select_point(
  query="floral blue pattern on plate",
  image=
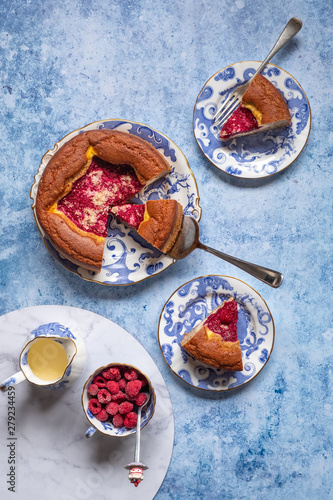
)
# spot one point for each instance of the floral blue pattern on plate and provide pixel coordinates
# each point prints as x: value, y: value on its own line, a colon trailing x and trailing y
x: 258, y: 155
x: 127, y: 257
x: 193, y: 302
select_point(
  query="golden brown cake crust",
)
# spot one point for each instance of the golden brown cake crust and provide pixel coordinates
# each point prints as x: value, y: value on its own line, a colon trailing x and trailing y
x: 68, y: 164
x: 210, y: 348
x: 121, y: 148
x: 81, y: 248
x: 266, y: 98
x: 163, y: 225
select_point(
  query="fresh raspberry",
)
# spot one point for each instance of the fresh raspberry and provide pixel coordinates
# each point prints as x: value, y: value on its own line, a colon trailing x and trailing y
x: 106, y: 374
x: 102, y: 415
x: 115, y: 374
x: 118, y: 421
x: 122, y: 383
x: 131, y: 374
x: 99, y: 381
x: 94, y: 406
x: 129, y: 398
x: 119, y: 397
x: 130, y: 419
x: 112, y: 386
x: 125, y: 407
x: 143, y: 380
x: 133, y: 388
x: 104, y: 396
x: 140, y: 399
x: 93, y: 389
x: 112, y: 408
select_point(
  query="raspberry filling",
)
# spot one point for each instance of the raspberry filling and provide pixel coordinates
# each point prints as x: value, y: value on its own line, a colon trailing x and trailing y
x: 242, y: 120
x: 103, y: 185
x: 132, y: 215
x: 224, y: 321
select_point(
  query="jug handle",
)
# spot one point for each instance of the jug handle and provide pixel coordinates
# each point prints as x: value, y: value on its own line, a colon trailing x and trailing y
x: 13, y: 380
x: 89, y: 432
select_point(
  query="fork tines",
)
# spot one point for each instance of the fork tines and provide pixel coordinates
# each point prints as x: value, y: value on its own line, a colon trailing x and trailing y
x: 226, y: 110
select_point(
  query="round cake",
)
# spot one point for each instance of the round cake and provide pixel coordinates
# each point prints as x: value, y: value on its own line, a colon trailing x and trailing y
x: 88, y: 175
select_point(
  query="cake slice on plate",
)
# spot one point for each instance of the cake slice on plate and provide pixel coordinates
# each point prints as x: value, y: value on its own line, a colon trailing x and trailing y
x: 262, y: 108
x: 158, y: 221
x: 214, y: 341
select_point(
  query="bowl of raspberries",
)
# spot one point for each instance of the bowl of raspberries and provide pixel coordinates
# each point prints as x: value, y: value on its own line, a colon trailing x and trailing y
x: 111, y: 397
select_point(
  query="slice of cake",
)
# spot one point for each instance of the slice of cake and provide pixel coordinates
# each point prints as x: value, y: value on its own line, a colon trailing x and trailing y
x: 262, y: 108
x: 214, y: 341
x: 158, y: 221
x: 131, y: 215
x: 88, y: 174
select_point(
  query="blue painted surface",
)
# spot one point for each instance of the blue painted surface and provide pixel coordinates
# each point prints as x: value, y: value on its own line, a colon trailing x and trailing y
x: 65, y: 64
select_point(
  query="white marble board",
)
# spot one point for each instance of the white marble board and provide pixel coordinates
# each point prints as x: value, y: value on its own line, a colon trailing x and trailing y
x: 53, y: 458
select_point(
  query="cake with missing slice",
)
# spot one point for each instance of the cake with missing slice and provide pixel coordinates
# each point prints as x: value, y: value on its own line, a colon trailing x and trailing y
x: 214, y: 341
x: 90, y: 173
x: 262, y: 108
x: 157, y: 221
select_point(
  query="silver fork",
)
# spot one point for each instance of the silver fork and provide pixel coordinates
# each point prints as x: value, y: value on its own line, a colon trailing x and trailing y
x: 232, y: 102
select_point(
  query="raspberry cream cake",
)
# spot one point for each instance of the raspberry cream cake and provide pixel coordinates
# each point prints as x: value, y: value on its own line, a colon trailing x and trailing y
x: 88, y: 175
x: 262, y: 108
x: 214, y: 341
x: 158, y: 221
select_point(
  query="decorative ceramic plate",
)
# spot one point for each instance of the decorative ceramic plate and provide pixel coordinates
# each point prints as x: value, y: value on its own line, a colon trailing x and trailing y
x: 127, y: 258
x: 258, y: 155
x: 193, y: 302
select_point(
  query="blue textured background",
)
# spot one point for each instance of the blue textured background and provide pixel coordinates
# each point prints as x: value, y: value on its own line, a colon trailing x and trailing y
x: 67, y: 63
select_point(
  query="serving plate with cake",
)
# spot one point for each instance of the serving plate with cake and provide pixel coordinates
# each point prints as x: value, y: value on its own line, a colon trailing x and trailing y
x: 216, y: 333
x: 109, y: 198
x: 265, y: 134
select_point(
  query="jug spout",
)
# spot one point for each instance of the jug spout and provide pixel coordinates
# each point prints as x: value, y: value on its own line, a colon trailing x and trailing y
x: 69, y: 347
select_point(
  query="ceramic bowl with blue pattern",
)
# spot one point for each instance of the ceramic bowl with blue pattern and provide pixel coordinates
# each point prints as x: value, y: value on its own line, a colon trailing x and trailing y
x: 107, y: 427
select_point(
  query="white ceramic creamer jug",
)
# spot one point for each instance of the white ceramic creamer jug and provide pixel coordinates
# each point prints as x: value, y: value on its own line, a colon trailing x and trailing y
x: 52, y: 357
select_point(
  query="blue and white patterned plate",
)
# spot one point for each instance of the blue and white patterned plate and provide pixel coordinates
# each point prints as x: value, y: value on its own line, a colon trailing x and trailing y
x: 127, y: 258
x: 262, y: 154
x: 190, y: 304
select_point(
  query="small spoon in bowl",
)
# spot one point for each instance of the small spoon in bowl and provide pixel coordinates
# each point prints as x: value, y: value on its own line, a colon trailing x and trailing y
x: 136, y: 468
x: 138, y: 430
x: 188, y: 240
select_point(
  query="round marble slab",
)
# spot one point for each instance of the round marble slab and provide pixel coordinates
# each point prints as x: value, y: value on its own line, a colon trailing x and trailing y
x: 51, y: 453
